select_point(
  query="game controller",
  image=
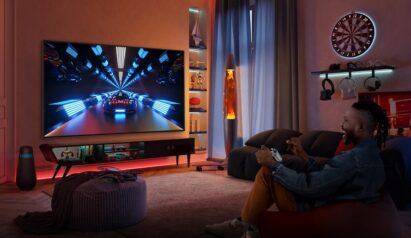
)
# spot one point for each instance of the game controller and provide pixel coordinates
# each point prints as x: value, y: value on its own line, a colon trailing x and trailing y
x: 276, y: 155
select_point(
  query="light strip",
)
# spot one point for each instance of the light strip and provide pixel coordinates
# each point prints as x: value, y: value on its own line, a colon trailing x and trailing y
x: 89, y: 65
x: 142, y: 53
x: 121, y: 55
x: 332, y: 75
x: 195, y: 50
x: 163, y: 57
x: 161, y: 107
x: 193, y: 10
x: 120, y: 110
x: 74, y: 107
x: 71, y: 51
x: 120, y: 76
x: 141, y: 98
x: 357, y: 73
x: 97, y: 50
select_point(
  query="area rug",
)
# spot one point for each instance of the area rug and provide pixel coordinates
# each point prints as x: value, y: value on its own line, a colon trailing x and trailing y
x: 179, y: 205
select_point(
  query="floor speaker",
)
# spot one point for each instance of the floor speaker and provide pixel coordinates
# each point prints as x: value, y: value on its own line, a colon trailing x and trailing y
x: 26, y: 172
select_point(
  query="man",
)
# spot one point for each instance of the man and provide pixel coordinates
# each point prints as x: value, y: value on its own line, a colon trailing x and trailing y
x: 355, y: 174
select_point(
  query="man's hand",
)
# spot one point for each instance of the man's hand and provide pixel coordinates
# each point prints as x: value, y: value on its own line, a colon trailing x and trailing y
x: 264, y: 157
x: 297, y: 148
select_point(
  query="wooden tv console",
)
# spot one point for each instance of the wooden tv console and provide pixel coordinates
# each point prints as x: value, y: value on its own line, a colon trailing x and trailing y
x: 113, y: 152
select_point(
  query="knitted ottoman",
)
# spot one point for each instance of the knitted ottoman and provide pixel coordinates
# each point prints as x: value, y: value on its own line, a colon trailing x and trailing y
x: 103, y: 204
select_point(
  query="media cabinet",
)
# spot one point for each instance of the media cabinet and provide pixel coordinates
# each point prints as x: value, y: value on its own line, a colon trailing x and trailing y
x: 69, y: 155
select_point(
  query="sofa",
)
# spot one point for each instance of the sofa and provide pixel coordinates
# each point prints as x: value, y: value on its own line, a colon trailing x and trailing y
x: 319, y: 144
x: 341, y: 219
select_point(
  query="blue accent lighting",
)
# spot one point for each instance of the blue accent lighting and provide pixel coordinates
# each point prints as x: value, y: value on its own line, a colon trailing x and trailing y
x: 26, y: 156
x: 141, y: 98
x: 97, y: 50
x: 142, y: 53
x: 163, y: 57
x: 98, y: 97
x: 89, y: 65
x: 105, y: 63
x: 97, y: 71
x: 120, y: 110
x: 161, y: 107
x: 74, y: 108
x: 135, y: 65
x: 71, y: 51
x: 149, y: 68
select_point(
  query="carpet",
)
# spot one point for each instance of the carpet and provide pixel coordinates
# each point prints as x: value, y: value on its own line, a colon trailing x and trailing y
x: 179, y: 205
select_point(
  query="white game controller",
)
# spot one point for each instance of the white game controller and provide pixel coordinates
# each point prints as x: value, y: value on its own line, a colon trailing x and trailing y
x: 276, y: 155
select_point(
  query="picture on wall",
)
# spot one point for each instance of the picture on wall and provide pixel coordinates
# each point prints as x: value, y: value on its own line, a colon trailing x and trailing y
x: 91, y: 89
x: 397, y: 105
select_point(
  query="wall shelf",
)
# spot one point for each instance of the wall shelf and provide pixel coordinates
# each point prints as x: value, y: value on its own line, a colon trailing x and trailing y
x: 198, y: 110
x: 200, y: 47
x: 197, y: 90
x: 197, y: 68
x: 365, y: 71
x: 198, y: 132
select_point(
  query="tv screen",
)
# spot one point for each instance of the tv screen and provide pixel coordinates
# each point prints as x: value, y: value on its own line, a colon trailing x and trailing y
x: 92, y: 89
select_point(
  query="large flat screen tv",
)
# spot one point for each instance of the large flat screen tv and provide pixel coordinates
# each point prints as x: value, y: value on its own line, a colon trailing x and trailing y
x: 92, y: 89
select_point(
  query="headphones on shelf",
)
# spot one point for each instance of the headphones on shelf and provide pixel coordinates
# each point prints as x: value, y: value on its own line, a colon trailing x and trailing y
x: 348, y: 88
x: 326, y: 94
x: 372, y: 86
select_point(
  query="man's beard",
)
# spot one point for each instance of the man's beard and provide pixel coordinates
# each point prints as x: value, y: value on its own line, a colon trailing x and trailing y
x: 348, y: 138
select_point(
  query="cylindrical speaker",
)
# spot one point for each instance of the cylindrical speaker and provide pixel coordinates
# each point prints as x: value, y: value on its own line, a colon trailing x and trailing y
x: 26, y: 172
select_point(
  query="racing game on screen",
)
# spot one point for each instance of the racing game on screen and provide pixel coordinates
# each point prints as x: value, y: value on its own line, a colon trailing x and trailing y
x: 92, y: 89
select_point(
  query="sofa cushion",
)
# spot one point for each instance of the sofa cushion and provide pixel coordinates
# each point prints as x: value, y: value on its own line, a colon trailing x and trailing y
x: 278, y: 139
x: 321, y: 143
x: 259, y: 139
x: 239, y: 158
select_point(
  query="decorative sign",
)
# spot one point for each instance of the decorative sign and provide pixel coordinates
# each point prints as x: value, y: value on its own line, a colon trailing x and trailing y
x: 353, y: 35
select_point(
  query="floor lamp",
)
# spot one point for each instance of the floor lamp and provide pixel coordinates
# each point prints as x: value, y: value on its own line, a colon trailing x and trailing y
x: 230, y: 108
x: 230, y: 105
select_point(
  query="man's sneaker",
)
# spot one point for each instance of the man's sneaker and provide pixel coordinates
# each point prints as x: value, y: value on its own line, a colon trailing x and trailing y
x: 251, y: 234
x: 228, y: 229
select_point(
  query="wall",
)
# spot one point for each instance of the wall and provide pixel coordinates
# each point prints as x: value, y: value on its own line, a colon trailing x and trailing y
x: 316, y: 20
x: 149, y: 23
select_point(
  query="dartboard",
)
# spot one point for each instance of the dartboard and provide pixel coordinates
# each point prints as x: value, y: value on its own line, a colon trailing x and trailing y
x: 353, y: 35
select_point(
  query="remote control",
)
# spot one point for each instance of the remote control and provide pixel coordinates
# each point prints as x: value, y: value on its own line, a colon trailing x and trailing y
x: 276, y: 155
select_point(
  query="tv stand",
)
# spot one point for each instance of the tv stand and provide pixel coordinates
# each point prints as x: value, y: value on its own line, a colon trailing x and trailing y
x: 64, y: 155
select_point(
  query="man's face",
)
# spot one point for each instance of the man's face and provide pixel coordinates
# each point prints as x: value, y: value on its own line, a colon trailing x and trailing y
x: 350, y: 126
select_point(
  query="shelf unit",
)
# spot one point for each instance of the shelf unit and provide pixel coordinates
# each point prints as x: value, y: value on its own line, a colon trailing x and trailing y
x: 365, y: 71
x: 198, y: 77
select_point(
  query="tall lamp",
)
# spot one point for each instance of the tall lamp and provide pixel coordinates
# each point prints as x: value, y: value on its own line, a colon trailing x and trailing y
x: 230, y: 104
x: 230, y: 109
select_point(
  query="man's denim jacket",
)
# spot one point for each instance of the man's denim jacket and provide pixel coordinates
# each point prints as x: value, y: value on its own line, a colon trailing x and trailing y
x: 355, y: 174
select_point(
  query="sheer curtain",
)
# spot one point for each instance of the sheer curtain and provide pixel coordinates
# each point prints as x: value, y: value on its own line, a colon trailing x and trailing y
x: 265, y: 74
x: 231, y: 35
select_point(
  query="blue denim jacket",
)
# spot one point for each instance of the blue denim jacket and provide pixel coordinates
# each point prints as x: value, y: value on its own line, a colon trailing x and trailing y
x: 355, y: 174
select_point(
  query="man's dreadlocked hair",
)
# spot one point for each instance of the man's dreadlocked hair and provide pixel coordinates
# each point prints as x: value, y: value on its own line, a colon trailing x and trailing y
x: 377, y: 118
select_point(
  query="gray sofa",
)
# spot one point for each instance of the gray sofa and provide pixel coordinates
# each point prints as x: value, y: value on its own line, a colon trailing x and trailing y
x: 242, y: 163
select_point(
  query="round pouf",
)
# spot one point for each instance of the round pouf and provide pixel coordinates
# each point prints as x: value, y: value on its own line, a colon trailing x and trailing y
x: 102, y: 204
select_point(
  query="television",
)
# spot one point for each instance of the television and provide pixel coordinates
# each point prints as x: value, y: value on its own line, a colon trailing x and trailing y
x: 92, y: 89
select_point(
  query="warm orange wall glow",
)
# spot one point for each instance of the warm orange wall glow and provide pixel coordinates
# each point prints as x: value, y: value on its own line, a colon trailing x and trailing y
x: 152, y: 24
x: 230, y: 95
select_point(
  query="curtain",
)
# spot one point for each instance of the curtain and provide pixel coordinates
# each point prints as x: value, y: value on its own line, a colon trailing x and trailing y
x: 286, y: 65
x: 231, y: 35
x: 265, y: 76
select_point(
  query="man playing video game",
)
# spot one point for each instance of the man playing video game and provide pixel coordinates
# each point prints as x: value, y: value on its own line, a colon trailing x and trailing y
x: 355, y: 174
